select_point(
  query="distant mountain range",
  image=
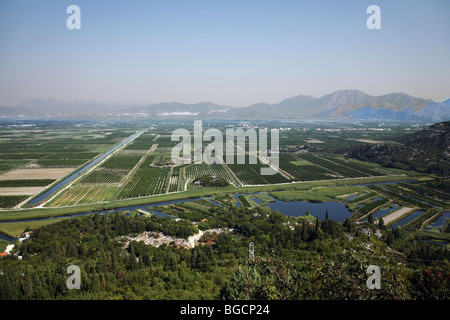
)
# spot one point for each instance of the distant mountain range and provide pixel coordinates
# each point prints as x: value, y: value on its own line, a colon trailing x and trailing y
x: 344, y: 104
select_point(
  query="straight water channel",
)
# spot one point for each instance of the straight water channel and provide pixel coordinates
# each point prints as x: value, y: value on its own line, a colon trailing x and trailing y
x: 64, y: 182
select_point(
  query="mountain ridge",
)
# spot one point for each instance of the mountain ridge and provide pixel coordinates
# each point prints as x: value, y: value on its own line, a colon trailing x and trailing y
x: 341, y: 104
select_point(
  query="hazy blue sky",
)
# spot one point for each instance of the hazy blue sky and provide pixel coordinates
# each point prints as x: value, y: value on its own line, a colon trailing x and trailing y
x: 223, y: 51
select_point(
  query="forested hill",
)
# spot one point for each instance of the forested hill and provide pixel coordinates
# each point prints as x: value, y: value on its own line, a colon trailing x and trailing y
x: 425, y: 151
x: 294, y: 259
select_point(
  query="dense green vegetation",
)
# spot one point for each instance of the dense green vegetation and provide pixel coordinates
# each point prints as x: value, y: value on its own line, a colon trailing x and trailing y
x: 11, y: 201
x: 294, y: 260
x: 211, y: 181
x: 423, y: 151
x: 26, y: 183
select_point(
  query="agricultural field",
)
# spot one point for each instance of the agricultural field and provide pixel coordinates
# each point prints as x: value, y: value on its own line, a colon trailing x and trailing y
x: 34, y: 174
x: 81, y: 194
x: 36, y: 155
x: 144, y: 142
x: 195, y: 171
x: 304, y: 170
x: 247, y: 175
x: 145, y: 182
x: 410, y: 210
x: 176, y: 179
x: 339, y: 169
x: 143, y: 168
x: 25, y: 183
x: 11, y: 201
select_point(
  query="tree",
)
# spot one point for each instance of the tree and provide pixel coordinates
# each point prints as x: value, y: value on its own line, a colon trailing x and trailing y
x: 304, y: 231
x: 381, y: 223
x: 265, y: 279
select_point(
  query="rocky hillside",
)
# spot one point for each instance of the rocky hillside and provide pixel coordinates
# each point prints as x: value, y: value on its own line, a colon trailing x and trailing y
x: 425, y: 151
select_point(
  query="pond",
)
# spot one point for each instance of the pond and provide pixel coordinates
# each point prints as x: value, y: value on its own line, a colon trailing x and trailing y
x: 336, y: 210
x: 440, y: 222
x: 355, y: 196
x: 382, y: 212
x: 407, y: 219
x: 3, y: 237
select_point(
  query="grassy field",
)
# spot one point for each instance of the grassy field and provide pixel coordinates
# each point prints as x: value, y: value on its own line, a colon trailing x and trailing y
x: 16, y: 229
x: 318, y: 194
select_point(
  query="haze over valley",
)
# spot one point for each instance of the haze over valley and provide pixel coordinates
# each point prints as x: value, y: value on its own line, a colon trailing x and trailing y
x: 339, y: 105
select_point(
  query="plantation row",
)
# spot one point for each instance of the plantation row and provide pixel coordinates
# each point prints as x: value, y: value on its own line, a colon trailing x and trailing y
x: 143, y: 142
x: 11, y: 201
x: 304, y: 172
x: 424, y: 190
x: 369, y: 207
x: 199, y: 170
x: 80, y: 194
x: 26, y: 183
x: 21, y: 156
x: 405, y: 189
x: 389, y: 191
x: 106, y: 177
x: 246, y: 174
x: 353, y: 165
x: 176, y: 179
x: 122, y: 161
x: 195, y: 206
x: 419, y: 221
x: 165, y: 142
x: 148, y: 161
x: 343, y: 170
x: 145, y: 182
x: 275, y: 178
x: 205, y: 203
x: 55, y: 163
x: 244, y: 202
x: 72, y: 155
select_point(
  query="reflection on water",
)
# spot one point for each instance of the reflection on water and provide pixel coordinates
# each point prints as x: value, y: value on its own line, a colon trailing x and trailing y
x: 407, y: 219
x: 3, y: 237
x: 336, y: 210
x: 382, y: 212
x: 440, y: 222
